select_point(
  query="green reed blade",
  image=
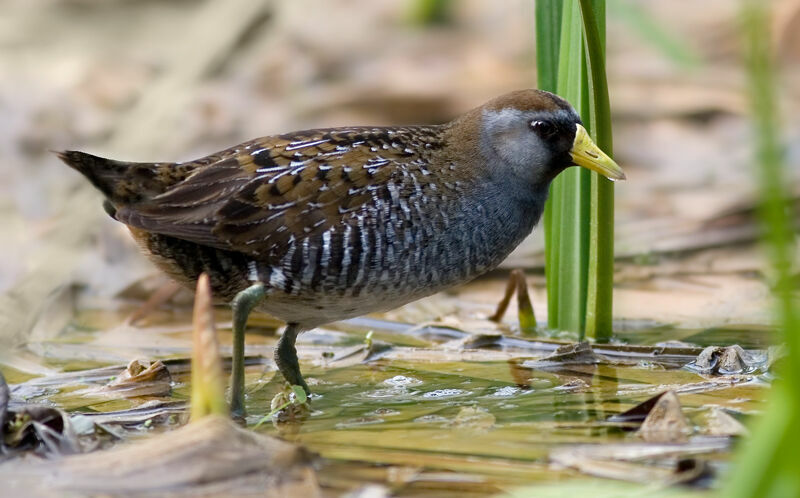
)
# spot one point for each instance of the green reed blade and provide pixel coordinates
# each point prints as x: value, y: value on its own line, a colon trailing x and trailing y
x: 571, y: 192
x: 579, y: 216
x: 599, y: 300
x: 548, y: 40
x: 768, y: 463
x: 654, y: 33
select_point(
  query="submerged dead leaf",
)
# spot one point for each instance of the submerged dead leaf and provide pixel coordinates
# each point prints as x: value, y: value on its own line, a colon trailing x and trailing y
x: 210, y: 456
x: 156, y: 412
x: 360, y: 353
x: 626, y: 462
x: 142, y: 378
x: 727, y: 360
x: 661, y: 418
x: 569, y: 354
x: 719, y: 423
x: 612, y: 469
x: 638, y: 413
x: 475, y: 341
x: 665, y: 423
x: 41, y: 429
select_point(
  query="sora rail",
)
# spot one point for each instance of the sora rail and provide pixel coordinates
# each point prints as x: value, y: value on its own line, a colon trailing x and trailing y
x: 321, y: 225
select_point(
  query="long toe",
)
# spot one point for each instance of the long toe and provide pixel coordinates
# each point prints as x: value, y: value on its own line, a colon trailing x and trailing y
x: 286, y: 358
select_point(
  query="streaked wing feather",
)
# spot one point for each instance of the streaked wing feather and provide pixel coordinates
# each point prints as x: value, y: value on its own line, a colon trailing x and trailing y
x: 254, y: 198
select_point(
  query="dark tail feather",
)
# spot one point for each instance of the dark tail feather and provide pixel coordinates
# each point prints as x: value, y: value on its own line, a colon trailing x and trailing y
x: 120, y: 181
x: 104, y: 174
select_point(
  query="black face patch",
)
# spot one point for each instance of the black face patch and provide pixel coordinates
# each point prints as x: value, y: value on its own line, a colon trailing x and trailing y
x: 556, y: 129
x: 558, y: 137
x: 562, y: 141
x: 544, y: 128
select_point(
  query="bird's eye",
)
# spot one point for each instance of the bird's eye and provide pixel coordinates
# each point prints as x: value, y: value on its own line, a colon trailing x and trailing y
x: 545, y: 129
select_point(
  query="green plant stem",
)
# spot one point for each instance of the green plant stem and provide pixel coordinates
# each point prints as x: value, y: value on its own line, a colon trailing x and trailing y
x: 298, y: 399
x: 652, y: 32
x: 600, y: 278
x: 571, y: 190
x: 773, y: 210
x: 271, y: 414
x: 548, y: 40
x: 579, y: 218
x: 767, y: 465
x: 432, y: 12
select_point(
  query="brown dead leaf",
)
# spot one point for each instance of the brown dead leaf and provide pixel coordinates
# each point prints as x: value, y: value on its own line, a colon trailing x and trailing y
x: 475, y: 341
x: 142, y: 378
x: 45, y: 430
x: 719, y: 423
x: 728, y: 360
x: 665, y: 423
x: 41, y: 429
x: 210, y: 456
x: 569, y: 354
x: 623, y: 461
x: 352, y: 355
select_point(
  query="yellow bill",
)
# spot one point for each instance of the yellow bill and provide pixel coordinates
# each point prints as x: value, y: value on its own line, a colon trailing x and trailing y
x: 585, y: 153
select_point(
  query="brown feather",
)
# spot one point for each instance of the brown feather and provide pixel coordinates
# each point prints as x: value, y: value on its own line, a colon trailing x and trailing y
x: 305, y: 182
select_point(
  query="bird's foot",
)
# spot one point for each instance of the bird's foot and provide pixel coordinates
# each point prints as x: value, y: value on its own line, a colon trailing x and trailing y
x: 286, y: 358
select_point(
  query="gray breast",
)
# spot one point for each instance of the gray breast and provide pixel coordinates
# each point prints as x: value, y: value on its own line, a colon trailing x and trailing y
x: 396, y: 250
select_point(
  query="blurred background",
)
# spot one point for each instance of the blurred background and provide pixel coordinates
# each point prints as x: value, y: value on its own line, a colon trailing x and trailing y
x: 151, y: 80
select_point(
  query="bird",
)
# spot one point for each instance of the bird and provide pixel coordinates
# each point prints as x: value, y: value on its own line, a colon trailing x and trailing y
x: 321, y: 225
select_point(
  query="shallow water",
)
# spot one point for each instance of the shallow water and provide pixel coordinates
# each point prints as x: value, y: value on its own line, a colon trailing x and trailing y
x: 427, y: 415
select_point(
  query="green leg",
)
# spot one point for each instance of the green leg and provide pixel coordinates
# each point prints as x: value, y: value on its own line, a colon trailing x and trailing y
x: 286, y: 357
x: 242, y: 304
